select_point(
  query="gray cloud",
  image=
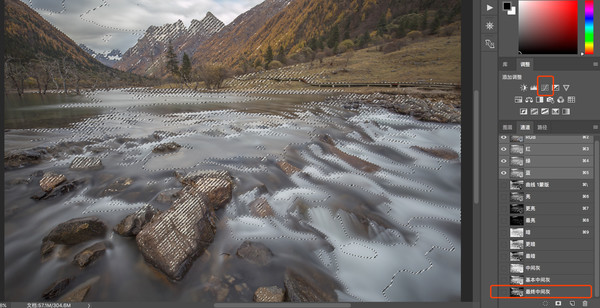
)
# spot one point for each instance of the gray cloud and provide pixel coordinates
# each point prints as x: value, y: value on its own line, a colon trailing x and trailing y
x: 107, y: 24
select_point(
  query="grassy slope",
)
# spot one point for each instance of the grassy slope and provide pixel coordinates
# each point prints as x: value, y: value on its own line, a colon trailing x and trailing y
x: 433, y: 59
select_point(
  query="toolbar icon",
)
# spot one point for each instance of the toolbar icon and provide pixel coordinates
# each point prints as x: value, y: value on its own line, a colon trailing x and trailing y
x: 545, y: 85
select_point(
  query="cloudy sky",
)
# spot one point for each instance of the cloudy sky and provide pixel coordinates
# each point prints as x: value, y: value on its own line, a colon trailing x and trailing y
x: 106, y: 24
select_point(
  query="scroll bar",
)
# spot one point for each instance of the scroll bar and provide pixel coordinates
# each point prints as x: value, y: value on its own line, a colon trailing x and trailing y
x: 597, y: 218
x: 476, y: 147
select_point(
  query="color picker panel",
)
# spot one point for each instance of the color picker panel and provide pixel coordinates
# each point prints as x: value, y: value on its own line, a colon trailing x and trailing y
x: 548, y: 27
x: 589, y: 27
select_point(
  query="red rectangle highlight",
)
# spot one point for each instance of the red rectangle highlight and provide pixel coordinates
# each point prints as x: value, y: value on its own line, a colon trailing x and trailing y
x: 541, y: 286
x: 548, y: 27
x: 551, y: 86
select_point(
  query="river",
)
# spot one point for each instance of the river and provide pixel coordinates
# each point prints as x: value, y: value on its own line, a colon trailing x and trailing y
x: 389, y: 235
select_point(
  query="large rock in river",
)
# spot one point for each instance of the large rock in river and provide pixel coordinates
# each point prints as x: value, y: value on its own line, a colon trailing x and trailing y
x: 86, y: 163
x: 62, y: 189
x: 166, y: 148
x: 261, y: 208
x: 288, y: 168
x: 173, y: 240
x: 442, y: 153
x: 89, y: 254
x: 77, y: 231
x: 269, y: 295
x: 133, y: 223
x: 216, y: 186
x: 56, y: 288
x: 25, y: 158
x: 255, y: 252
x: 309, y: 285
x: 51, y: 180
x: 352, y: 160
x: 78, y: 293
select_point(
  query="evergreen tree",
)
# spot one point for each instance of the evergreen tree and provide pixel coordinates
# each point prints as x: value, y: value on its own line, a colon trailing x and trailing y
x: 268, y: 56
x: 281, y: 55
x: 400, y: 31
x: 364, y: 40
x: 172, y: 63
x: 312, y: 43
x: 435, y: 25
x: 244, y: 63
x: 334, y: 37
x: 186, y: 68
x: 320, y: 43
x: 381, y: 26
x: 424, y: 20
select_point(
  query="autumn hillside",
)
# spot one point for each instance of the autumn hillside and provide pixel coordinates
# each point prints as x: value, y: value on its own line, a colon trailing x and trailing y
x: 310, y: 26
x: 29, y: 36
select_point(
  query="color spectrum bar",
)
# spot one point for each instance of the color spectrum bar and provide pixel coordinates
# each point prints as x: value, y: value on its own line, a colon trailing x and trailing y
x: 548, y: 27
x: 589, y: 27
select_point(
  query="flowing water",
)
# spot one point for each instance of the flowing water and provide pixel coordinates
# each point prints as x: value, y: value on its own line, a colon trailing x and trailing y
x: 390, y: 235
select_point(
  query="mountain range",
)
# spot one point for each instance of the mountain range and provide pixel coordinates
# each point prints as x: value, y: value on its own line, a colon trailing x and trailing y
x: 287, y: 26
x: 108, y: 58
x: 147, y: 56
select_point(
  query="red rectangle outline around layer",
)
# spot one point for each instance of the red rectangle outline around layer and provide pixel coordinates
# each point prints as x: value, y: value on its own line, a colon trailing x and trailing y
x: 539, y: 285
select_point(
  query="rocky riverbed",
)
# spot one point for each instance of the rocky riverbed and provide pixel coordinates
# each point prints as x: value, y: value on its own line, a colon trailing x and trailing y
x: 232, y: 198
x: 440, y: 108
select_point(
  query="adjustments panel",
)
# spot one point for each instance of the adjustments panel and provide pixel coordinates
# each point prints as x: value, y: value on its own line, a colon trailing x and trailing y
x: 546, y: 73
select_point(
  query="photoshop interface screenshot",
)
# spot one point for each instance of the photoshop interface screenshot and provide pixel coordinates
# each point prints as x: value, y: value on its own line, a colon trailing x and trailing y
x: 538, y: 133
x: 279, y: 185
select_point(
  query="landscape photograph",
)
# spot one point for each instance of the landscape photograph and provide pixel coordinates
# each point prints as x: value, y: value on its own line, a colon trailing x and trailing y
x: 232, y: 150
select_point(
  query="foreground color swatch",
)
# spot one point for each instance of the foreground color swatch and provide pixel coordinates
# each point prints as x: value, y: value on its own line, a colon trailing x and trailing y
x: 548, y: 27
x: 589, y: 27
